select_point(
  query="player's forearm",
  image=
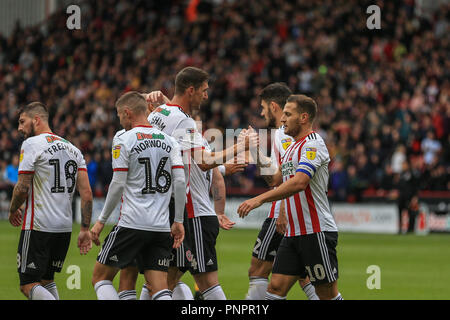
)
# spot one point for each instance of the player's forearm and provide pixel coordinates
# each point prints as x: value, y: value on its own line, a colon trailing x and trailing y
x: 20, y: 194
x: 285, y: 190
x: 211, y: 160
x: 218, y: 192
x: 86, y: 212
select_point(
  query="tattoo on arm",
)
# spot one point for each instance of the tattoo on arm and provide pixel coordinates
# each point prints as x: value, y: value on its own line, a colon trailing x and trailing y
x: 20, y: 192
x: 86, y: 212
x: 268, y: 179
x: 216, y: 193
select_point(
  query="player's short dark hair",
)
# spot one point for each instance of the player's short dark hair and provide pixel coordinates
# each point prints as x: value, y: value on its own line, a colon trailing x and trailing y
x: 304, y: 104
x: 35, y: 108
x: 189, y: 77
x: 133, y: 100
x: 277, y: 92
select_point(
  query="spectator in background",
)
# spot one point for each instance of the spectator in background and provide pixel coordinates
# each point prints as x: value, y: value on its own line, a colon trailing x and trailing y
x: 408, y: 188
x: 4, y: 185
x: 11, y: 175
x: 431, y: 148
x: 105, y: 171
x: 12, y: 170
x: 339, y: 181
x: 377, y: 89
x: 92, y: 169
x: 398, y: 159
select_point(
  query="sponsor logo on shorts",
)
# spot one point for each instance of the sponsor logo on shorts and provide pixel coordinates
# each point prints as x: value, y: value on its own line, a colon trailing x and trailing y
x: 114, y: 258
x: 163, y: 262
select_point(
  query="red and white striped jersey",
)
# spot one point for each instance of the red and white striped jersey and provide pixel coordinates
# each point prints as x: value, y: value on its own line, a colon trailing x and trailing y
x: 280, y: 143
x: 308, y: 211
x: 55, y: 163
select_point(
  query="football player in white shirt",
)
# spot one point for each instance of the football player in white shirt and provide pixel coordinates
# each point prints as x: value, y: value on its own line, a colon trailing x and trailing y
x: 273, y: 98
x: 174, y: 118
x: 309, y: 245
x: 49, y: 171
x: 147, y: 166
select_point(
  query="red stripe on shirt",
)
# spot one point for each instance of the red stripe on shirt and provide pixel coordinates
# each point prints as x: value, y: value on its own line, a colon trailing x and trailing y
x: 301, y: 219
x: 312, y: 210
x: 272, y: 209
x: 120, y: 169
x: 291, y: 221
x: 82, y: 169
x: 287, y: 155
x: 177, y: 167
x: 26, y: 172
x: 300, y: 151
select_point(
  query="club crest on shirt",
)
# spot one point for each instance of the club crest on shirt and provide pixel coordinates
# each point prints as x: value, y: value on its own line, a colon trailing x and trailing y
x: 116, y: 152
x: 286, y: 143
x: 311, y: 153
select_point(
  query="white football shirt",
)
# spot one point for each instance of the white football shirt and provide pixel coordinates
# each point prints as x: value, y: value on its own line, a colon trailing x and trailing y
x: 280, y: 143
x: 308, y: 211
x: 55, y: 163
x: 149, y: 156
x: 172, y: 120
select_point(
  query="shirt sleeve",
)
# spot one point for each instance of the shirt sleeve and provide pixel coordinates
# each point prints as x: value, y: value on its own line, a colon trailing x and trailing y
x: 187, y: 135
x: 311, y: 157
x: 82, y: 164
x: 27, y: 158
x: 120, y: 156
x: 175, y: 156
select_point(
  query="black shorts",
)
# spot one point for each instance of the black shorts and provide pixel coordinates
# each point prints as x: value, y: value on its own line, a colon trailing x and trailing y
x: 205, y: 230
x: 312, y: 255
x: 182, y: 257
x: 40, y: 255
x: 268, y: 241
x: 150, y: 249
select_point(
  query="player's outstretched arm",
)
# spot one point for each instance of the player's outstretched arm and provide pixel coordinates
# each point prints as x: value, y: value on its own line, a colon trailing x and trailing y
x: 209, y: 160
x: 20, y: 194
x: 292, y: 186
x: 218, y: 192
x: 84, y: 188
x: 269, y: 169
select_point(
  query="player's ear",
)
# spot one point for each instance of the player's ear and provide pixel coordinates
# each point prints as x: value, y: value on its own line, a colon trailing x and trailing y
x: 274, y: 107
x: 304, y: 117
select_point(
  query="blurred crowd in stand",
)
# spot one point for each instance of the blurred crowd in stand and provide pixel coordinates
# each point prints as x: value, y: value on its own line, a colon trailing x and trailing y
x: 383, y: 95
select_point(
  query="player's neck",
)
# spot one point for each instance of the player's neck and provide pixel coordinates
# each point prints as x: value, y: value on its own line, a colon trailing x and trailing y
x: 278, y: 122
x: 42, y: 129
x: 140, y: 122
x: 303, y: 133
x: 278, y: 114
x: 183, y: 102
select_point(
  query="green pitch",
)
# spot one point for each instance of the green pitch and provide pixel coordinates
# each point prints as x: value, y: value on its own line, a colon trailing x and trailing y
x: 411, y: 267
